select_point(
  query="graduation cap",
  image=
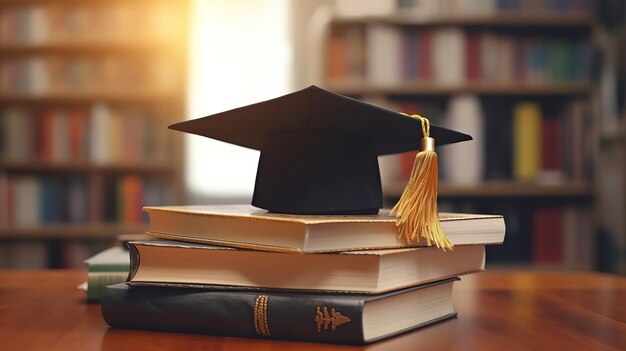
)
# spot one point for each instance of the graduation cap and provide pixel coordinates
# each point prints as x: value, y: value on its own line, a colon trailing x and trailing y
x: 319, y: 155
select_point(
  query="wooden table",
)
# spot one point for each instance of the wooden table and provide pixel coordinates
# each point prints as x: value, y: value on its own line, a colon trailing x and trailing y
x: 43, y: 310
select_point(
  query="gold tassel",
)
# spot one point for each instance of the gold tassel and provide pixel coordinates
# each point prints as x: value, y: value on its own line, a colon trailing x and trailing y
x: 418, y: 216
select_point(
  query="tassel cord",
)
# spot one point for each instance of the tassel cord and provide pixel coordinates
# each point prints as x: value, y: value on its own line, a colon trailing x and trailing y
x: 417, y: 212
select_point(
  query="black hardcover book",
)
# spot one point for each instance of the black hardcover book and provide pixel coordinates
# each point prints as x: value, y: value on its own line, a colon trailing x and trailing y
x: 313, y: 317
x: 498, y: 138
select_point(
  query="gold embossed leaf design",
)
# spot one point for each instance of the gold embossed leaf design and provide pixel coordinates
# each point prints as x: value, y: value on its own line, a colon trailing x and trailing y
x: 334, y: 319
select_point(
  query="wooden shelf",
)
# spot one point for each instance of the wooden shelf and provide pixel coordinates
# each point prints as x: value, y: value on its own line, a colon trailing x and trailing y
x: 82, y: 48
x: 503, y: 190
x: 72, y: 231
x: 11, y: 3
x: 48, y: 167
x: 411, y: 88
x: 499, y: 20
x: 78, y: 97
x: 536, y: 267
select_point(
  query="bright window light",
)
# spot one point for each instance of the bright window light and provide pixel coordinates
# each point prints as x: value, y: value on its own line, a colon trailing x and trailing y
x: 240, y: 54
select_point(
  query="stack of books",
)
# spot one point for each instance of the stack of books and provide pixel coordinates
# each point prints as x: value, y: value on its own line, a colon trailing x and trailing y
x: 239, y: 271
x: 108, y: 267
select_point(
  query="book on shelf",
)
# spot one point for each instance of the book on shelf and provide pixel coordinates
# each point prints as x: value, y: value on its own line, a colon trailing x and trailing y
x: 100, y: 134
x: 247, y: 227
x: 347, y: 48
x: 557, y: 237
x: 579, y: 239
x: 527, y: 141
x: 383, y: 45
x: 163, y: 262
x: 22, y: 254
x: 355, y: 8
x: 450, y: 56
x: 299, y: 316
x: 498, y: 143
x: 577, y: 148
x: 5, y: 208
x: 24, y: 192
x: 18, y: 137
x: 548, y: 236
x: 550, y: 148
x: 552, y: 171
x: 106, y: 268
x: 79, y: 75
x: 28, y: 201
x: 464, y: 164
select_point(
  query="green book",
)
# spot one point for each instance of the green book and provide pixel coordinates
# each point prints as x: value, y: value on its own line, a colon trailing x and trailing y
x: 106, y: 268
x: 559, y: 57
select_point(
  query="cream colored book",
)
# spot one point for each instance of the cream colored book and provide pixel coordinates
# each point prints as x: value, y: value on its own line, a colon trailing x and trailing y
x: 165, y: 262
x: 244, y: 226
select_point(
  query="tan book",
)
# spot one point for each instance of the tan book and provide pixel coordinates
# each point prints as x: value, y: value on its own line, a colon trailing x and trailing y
x: 244, y: 226
x: 165, y: 262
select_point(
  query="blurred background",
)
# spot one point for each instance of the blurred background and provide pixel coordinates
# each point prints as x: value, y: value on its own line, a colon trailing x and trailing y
x: 87, y: 90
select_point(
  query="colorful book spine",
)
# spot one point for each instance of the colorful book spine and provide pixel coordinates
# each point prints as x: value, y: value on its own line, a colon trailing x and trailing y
x: 473, y: 57
x: 130, y: 199
x: 498, y: 141
x: 526, y: 141
x: 410, y: 55
x: 465, y: 164
x: 551, y: 153
x: 337, y: 56
x: 30, y: 201
x: 383, y: 48
x: 548, y: 236
x: 448, y: 51
x: 408, y: 158
x: 101, y: 135
x: 447, y: 56
x: 426, y: 62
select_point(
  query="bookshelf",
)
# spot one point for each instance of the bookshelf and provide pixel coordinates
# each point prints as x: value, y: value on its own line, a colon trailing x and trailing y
x: 440, y: 58
x: 87, y: 90
x: 73, y: 231
x: 85, y: 167
x: 504, y: 189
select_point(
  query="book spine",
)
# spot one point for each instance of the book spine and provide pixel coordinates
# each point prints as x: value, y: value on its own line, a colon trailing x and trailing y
x: 5, y: 214
x: 473, y: 59
x: 548, y: 236
x: 465, y: 165
x: 448, y: 50
x: 409, y: 55
x: 408, y: 158
x: 425, y: 64
x: 527, y: 141
x: 383, y: 49
x: 337, y: 57
x: 551, y: 155
x: 307, y: 317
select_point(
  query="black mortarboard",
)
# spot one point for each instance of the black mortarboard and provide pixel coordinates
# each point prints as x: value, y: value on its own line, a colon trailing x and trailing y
x: 318, y: 149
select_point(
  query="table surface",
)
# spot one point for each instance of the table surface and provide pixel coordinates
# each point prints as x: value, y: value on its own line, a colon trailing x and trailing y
x: 44, y: 310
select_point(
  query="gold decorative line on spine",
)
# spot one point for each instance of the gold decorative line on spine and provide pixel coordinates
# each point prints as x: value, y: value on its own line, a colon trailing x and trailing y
x: 261, y: 324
